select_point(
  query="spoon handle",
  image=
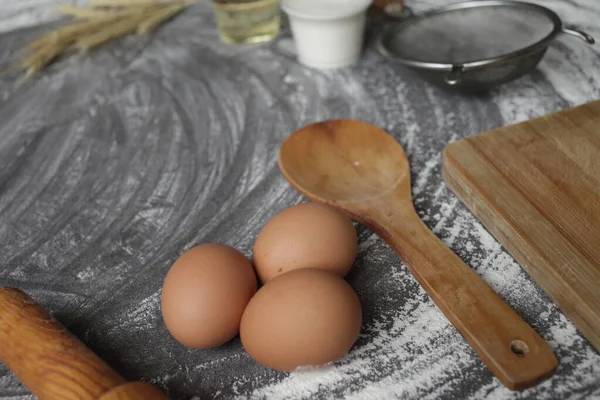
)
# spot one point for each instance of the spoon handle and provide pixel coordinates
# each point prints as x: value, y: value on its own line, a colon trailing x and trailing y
x: 510, y: 348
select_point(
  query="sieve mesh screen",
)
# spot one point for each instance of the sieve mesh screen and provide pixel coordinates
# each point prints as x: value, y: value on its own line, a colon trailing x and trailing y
x: 470, y: 34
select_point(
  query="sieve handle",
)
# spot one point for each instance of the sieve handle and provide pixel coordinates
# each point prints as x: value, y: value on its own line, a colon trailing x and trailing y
x: 454, y: 76
x: 577, y: 33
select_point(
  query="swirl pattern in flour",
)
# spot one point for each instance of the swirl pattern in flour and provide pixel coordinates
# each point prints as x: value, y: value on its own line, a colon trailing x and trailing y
x: 113, y: 164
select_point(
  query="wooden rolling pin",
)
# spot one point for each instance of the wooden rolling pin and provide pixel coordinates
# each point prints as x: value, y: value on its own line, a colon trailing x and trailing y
x: 53, y: 363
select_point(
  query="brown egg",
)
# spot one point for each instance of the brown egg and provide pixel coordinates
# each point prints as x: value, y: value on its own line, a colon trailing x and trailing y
x: 205, y: 294
x: 307, y: 317
x: 310, y: 235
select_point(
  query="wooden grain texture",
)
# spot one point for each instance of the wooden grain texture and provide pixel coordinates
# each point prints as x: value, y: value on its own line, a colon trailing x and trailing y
x: 49, y: 360
x: 536, y: 187
x: 363, y: 171
x: 134, y: 391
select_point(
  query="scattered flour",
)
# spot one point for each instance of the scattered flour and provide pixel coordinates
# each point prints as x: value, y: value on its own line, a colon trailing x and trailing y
x: 86, y: 274
x: 423, y: 176
x: 408, y: 350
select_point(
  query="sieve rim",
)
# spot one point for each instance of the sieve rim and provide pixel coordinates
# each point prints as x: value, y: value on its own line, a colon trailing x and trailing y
x: 471, y: 65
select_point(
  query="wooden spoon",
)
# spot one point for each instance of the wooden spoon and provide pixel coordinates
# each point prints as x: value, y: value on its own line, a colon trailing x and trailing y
x: 363, y: 171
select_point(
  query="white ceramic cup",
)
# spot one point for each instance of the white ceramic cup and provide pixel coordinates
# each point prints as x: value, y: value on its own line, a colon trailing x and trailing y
x: 327, y: 33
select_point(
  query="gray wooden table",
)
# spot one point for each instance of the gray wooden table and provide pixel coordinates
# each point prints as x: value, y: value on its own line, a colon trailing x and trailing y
x: 112, y: 164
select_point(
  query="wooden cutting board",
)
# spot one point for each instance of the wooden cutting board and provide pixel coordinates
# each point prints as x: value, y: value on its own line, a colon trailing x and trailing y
x: 536, y: 187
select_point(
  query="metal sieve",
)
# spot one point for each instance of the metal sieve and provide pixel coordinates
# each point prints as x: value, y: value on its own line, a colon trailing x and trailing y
x: 474, y: 45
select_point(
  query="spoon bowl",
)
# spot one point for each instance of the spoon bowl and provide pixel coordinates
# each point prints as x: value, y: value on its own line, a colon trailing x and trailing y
x: 368, y: 162
x: 364, y: 172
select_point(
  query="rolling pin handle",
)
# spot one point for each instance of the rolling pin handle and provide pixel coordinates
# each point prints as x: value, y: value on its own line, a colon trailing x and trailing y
x: 53, y: 363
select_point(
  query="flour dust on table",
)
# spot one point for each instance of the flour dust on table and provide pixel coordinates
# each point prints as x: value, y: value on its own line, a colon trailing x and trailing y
x: 114, y: 163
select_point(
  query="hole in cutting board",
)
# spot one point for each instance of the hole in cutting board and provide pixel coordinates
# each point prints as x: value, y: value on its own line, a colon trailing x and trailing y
x: 519, y: 347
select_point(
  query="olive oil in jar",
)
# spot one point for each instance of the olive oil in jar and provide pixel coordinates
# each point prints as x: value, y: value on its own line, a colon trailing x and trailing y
x: 247, y: 21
